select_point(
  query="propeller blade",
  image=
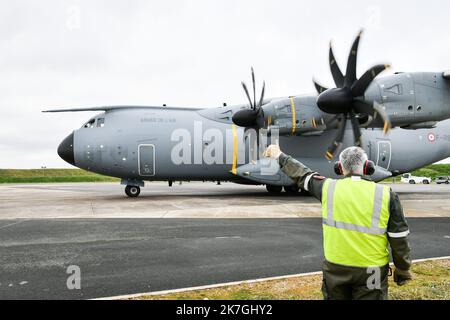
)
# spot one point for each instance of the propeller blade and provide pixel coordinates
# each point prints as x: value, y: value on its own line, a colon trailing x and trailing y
x: 261, y: 100
x: 319, y: 87
x: 336, y: 72
x: 333, y: 119
x: 387, y: 122
x: 254, y: 89
x: 356, y: 129
x: 373, y: 110
x: 350, y: 75
x: 338, y: 141
x: 361, y: 85
x: 247, y: 94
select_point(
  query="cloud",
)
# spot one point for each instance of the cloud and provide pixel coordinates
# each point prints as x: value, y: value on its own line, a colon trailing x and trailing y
x: 194, y: 53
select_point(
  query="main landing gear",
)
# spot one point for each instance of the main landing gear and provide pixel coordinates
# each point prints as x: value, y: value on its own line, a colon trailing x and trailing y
x: 132, y: 191
x: 273, y: 189
x: 291, y: 190
x: 294, y: 189
x: 133, y: 187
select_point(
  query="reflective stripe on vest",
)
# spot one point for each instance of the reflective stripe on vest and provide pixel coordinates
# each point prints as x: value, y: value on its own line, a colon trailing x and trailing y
x: 374, y: 229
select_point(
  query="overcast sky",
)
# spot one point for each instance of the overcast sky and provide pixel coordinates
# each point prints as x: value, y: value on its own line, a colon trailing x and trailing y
x: 186, y: 53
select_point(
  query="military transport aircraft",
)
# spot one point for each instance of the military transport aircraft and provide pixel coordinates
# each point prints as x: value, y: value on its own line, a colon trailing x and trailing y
x: 154, y: 143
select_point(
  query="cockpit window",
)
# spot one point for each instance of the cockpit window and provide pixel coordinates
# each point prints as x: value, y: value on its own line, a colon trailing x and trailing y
x: 100, y: 122
x: 90, y: 124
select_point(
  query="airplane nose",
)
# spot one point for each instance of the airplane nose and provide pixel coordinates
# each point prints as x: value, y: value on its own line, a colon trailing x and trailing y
x: 65, y: 150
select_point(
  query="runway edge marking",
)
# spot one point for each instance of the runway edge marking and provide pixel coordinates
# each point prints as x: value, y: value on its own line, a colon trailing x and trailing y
x: 234, y: 283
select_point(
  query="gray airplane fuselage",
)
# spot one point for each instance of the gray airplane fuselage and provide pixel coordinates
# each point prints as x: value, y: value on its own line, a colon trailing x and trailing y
x: 139, y: 143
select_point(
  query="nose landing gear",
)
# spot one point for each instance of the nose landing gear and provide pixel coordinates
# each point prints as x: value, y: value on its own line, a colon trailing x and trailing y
x: 132, y: 191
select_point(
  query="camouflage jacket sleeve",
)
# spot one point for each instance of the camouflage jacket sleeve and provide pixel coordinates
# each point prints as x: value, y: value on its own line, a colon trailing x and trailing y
x: 304, y: 177
x: 398, y: 231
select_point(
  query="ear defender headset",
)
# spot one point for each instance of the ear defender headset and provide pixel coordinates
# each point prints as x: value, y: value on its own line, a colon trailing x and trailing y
x: 369, y: 168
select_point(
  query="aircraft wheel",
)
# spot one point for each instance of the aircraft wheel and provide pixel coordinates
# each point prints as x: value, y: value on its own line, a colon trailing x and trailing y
x: 132, y: 191
x: 304, y: 193
x: 273, y: 189
x: 291, y: 189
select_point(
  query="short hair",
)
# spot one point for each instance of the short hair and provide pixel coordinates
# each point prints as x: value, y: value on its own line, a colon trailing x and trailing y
x: 353, y: 159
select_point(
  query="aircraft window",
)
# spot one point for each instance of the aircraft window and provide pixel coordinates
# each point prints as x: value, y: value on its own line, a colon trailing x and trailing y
x: 89, y: 124
x: 100, y: 122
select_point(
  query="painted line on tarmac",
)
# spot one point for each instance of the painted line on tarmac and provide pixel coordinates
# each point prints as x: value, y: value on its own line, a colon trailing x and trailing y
x: 234, y: 283
x: 14, y: 223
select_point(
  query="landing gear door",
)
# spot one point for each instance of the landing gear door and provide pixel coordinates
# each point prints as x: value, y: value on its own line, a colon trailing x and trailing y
x: 146, y: 160
x: 384, y: 154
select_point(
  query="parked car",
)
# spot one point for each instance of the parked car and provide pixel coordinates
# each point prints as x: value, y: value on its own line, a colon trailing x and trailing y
x: 443, y: 179
x: 409, y: 178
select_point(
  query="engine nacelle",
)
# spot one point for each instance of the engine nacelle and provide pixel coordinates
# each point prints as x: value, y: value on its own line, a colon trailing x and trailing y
x: 294, y: 116
x: 413, y: 100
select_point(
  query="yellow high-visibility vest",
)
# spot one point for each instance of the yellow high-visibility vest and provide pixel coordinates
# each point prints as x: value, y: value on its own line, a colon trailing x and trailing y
x: 355, y: 214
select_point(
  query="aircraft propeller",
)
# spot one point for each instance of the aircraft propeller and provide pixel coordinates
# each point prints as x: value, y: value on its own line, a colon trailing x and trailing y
x: 347, y: 99
x: 248, y: 117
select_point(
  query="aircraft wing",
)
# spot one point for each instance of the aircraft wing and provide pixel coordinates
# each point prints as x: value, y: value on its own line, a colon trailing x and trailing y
x: 110, y: 108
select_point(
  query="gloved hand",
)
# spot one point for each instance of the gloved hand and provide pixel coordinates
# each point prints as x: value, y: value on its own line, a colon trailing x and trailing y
x: 273, y: 151
x: 402, y: 276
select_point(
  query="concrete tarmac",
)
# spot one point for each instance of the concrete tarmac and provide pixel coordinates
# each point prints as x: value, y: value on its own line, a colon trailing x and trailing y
x: 189, y: 200
x: 124, y: 256
x: 45, y: 228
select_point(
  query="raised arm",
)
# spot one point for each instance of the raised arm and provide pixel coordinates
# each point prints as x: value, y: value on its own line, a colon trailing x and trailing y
x: 303, y: 176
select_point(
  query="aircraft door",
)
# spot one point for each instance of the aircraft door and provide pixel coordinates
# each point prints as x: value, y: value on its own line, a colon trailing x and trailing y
x: 146, y: 160
x: 384, y: 154
x: 251, y: 145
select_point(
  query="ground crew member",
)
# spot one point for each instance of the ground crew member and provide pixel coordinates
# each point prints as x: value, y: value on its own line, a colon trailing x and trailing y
x: 359, y: 219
